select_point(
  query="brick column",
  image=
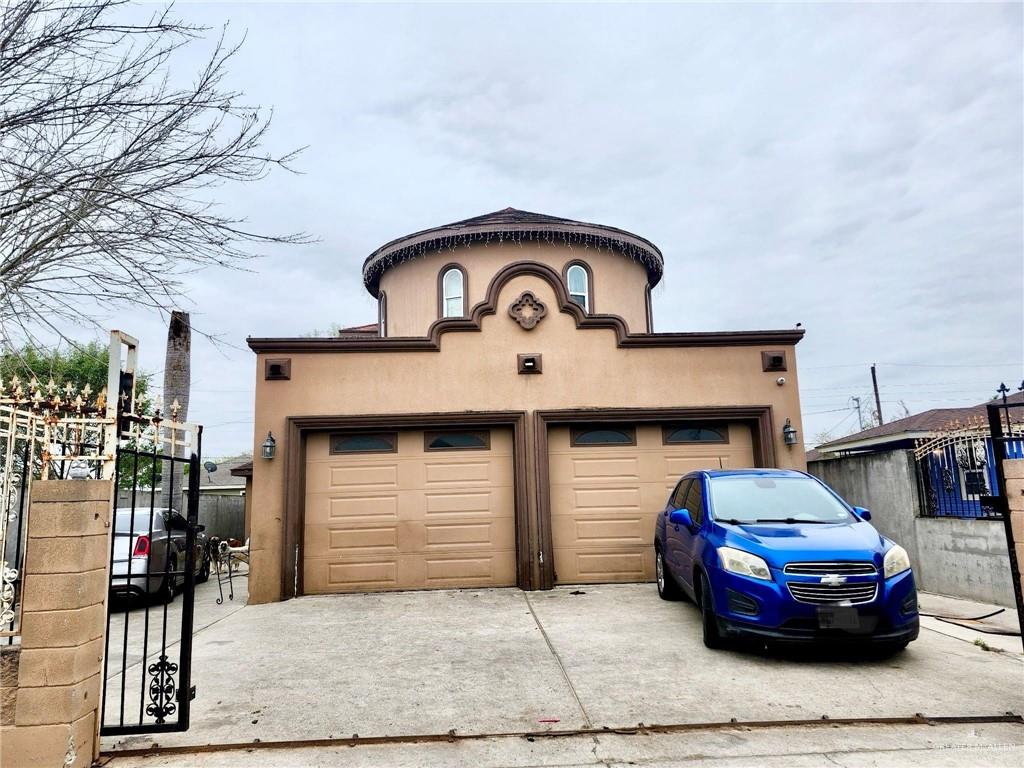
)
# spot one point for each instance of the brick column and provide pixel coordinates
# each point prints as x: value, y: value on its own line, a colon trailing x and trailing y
x: 1013, y: 471
x: 56, y: 709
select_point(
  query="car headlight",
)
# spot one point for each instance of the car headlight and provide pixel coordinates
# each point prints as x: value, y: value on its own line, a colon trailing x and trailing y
x: 896, y: 561
x: 743, y: 563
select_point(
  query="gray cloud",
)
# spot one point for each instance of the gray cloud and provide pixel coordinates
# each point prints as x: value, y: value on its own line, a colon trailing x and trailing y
x: 857, y: 168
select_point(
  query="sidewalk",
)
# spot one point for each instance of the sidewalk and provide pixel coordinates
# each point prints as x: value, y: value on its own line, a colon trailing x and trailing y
x: 851, y: 746
x: 941, y: 605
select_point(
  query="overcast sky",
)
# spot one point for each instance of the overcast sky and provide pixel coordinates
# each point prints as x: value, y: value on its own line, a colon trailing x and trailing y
x: 855, y: 168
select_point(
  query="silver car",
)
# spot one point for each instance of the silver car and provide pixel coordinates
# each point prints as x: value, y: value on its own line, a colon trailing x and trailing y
x: 149, y: 553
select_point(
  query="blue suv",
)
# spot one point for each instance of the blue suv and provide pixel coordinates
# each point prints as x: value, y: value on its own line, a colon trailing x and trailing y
x: 778, y: 555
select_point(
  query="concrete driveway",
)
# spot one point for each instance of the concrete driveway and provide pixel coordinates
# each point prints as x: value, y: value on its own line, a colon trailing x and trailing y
x: 505, y: 661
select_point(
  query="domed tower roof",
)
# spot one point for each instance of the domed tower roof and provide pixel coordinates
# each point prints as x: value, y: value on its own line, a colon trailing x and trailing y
x: 518, y: 227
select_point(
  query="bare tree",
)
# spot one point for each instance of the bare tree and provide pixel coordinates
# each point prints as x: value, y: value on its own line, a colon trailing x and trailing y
x: 109, y: 158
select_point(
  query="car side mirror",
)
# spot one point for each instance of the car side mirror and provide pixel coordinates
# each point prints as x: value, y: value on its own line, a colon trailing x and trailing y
x: 681, y: 517
x: 863, y: 514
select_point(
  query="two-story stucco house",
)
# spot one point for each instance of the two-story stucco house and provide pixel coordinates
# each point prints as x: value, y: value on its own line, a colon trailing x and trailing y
x: 511, y: 420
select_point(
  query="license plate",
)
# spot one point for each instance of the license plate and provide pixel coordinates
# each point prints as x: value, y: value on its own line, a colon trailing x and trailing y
x: 838, y: 617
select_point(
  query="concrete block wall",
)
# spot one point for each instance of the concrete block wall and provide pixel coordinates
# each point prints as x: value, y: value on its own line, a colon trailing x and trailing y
x: 56, y: 674
x: 951, y: 556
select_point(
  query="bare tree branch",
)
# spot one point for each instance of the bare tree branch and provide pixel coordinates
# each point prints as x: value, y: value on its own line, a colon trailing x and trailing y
x: 109, y: 164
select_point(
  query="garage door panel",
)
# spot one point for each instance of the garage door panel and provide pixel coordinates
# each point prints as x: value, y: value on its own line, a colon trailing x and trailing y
x: 363, y: 507
x: 334, y: 540
x: 585, y: 566
x: 409, y: 520
x: 362, y: 476
x: 461, y: 502
x: 606, y: 498
x: 323, y: 575
x: 489, y: 534
x: 457, y: 473
x: 603, y: 466
x: 602, y: 531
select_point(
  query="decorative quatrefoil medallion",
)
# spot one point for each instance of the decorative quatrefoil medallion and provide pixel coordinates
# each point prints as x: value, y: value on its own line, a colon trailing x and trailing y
x: 527, y: 310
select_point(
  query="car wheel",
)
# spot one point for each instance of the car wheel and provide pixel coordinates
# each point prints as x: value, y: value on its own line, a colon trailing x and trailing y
x: 167, y: 586
x: 667, y: 587
x: 709, y: 621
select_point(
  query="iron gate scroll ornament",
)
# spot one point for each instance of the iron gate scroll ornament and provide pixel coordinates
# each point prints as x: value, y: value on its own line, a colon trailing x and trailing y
x: 162, y: 689
x: 527, y: 310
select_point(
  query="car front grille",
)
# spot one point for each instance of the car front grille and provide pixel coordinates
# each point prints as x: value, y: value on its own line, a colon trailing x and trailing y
x: 823, y: 568
x: 822, y: 594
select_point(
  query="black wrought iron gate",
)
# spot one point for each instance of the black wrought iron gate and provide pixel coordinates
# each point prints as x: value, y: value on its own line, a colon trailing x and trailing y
x: 157, y: 554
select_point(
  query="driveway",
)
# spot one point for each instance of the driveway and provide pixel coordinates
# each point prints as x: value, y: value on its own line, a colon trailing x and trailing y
x: 506, y: 661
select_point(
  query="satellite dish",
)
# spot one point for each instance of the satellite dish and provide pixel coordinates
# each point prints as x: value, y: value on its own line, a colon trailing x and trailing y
x: 210, y: 467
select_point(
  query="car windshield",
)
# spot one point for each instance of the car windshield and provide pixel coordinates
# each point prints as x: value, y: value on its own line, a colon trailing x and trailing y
x: 759, y: 499
x: 123, y: 521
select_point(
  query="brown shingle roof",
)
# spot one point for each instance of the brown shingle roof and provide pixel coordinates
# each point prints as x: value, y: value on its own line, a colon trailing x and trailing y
x: 514, y: 225
x: 225, y: 472
x: 243, y: 470
x: 368, y: 328
x: 935, y: 420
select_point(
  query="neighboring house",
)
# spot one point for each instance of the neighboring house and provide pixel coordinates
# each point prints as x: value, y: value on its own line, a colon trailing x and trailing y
x: 511, y: 419
x: 928, y: 479
x: 952, y: 447
x: 223, y: 481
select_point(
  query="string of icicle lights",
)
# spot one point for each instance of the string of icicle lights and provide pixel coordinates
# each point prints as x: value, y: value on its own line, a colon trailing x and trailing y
x: 378, y: 265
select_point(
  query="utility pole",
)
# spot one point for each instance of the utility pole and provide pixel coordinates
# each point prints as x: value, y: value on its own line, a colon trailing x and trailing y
x: 177, y: 386
x: 860, y: 417
x: 878, y: 400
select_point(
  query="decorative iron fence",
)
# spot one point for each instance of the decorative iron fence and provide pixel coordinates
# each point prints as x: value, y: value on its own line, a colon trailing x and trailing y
x: 47, y: 431
x: 956, y: 472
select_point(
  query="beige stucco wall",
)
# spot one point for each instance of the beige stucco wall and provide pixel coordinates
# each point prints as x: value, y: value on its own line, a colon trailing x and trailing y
x: 411, y: 287
x: 476, y: 371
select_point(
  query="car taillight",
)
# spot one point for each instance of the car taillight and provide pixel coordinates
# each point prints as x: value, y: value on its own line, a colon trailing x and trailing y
x: 141, y: 547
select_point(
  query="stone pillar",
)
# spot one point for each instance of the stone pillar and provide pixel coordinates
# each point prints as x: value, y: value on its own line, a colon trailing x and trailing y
x: 55, y: 717
x: 1013, y: 471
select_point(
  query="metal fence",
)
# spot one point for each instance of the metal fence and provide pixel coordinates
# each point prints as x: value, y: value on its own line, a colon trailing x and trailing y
x: 47, y: 431
x: 956, y: 473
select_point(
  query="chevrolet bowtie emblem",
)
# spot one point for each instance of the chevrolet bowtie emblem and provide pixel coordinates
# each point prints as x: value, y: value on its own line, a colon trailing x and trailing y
x: 833, y: 580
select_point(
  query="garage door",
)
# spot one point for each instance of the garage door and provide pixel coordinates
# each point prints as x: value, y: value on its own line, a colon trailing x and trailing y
x: 409, y: 510
x: 608, y: 484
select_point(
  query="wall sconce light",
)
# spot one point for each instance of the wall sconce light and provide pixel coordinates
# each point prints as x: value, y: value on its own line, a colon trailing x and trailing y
x: 270, y: 446
x: 789, y: 434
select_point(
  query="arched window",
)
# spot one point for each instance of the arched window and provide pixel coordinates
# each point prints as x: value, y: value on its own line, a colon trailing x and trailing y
x: 383, y: 442
x: 578, y: 279
x: 453, y: 293
x: 382, y: 315
x: 599, y: 435
x: 695, y: 433
x: 456, y: 441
